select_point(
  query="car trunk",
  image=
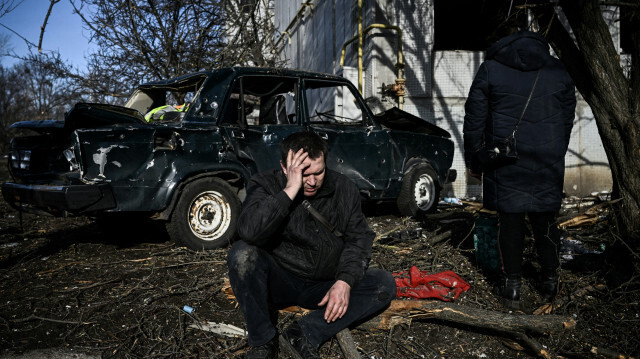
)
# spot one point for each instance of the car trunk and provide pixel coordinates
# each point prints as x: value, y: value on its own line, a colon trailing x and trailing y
x: 74, y: 150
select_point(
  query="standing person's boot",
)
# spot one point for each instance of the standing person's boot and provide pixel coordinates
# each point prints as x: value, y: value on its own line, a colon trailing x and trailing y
x: 548, y: 286
x: 509, y: 290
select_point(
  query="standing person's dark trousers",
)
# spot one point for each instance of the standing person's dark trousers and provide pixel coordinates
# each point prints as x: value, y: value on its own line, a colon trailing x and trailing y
x: 547, y: 239
x: 258, y: 281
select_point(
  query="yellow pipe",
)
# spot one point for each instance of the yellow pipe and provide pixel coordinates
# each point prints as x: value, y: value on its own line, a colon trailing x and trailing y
x: 377, y: 26
x: 295, y: 19
x: 360, y: 37
x: 288, y: 36
x: 360, y: 45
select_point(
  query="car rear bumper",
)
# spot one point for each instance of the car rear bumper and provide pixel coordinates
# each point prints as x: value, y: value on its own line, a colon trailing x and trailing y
x: 59, y: 200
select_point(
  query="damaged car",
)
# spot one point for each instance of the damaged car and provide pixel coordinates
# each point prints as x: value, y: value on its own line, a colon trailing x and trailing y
x: 182, y: 151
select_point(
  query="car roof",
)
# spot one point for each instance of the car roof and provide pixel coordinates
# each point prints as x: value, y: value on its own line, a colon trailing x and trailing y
x: 226, y: 71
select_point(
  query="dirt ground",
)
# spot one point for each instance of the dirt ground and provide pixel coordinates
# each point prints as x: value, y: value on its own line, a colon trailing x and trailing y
x: 71, y: 288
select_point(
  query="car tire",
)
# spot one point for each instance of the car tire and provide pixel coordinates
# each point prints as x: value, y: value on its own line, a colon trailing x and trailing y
x: 205, y: 215
x: 420, y: 192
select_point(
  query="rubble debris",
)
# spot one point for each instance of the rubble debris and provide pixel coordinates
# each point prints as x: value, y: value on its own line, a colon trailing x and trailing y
x: 220, y: 328
x: 590, y: 216
x: 90, y: 294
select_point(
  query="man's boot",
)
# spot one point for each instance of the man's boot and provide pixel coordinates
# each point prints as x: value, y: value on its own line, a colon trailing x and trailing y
x: 294, y: 341
x: 268, y: 350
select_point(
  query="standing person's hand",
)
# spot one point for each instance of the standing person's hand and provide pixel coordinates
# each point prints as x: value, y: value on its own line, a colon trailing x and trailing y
x: 296, y: 164
x: 337, y: 301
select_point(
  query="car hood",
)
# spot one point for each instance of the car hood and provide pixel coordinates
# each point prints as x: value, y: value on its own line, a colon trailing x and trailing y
x: 396, y: 119
x: 85, y: 115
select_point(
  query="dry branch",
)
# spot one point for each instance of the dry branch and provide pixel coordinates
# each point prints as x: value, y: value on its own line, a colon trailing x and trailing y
x: 535, y: 347
x: 590, y: 216
x: 35, y: 317
x: 178, y: 292
x: 476, y: 317
x: 397, y: 228
x: 516, y: 326
x: 439, y: 237
x: 347, y: 344
x: 548, y: 308
x: 609, y: 353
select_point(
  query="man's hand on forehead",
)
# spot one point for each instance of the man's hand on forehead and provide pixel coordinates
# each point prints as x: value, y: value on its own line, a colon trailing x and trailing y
x: 298, y: 158
x: 297, y: 162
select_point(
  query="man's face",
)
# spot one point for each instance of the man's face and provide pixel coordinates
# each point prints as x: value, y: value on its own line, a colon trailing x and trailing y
x: 313, y: 176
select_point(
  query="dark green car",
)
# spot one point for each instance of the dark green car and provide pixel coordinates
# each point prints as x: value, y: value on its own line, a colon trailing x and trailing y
x: 183, y: 150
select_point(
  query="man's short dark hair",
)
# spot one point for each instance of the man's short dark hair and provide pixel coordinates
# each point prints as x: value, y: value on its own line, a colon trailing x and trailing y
x: 312, y: 144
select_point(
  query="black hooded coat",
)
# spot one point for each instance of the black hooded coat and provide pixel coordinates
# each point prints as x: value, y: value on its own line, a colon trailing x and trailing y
x: 496, y: 99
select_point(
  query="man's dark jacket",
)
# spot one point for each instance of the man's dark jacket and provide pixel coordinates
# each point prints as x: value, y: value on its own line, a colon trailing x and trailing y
x: 497, y: 97
x: 297, y: 240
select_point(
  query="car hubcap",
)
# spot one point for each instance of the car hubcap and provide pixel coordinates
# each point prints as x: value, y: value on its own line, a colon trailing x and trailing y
x: 209, y: 215
x: 423, y: 192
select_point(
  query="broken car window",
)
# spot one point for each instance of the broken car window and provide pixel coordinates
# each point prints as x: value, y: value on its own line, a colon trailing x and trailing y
x: 332, y: 104
x: 158, y: 101
x: 262, y: 100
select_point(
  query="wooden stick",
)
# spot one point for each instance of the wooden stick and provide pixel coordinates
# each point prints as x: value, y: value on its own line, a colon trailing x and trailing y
x: 347, y: 344
x: 588, y: 216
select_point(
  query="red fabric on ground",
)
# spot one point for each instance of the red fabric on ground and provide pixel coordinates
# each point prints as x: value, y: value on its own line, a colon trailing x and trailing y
x: 418, y: 284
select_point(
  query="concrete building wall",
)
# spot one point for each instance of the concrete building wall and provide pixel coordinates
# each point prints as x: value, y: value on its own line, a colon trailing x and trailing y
x: 437, y: 82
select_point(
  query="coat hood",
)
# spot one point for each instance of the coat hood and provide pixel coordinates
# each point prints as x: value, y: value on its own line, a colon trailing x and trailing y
x: 524, y: 50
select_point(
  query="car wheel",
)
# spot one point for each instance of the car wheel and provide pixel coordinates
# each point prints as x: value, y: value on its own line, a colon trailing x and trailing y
x: 205, y: 216
x: 420, y: 192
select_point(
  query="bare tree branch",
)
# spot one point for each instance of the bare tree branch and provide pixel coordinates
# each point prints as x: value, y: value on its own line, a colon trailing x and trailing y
x: 44, y: 24
x: 7, y: 6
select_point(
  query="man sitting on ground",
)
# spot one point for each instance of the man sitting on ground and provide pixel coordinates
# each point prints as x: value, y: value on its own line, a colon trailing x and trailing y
x: 288, y: 256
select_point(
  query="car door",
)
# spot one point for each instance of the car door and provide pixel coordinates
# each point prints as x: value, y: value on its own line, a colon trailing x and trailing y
x: 260, y: 112
x: 358, y: 147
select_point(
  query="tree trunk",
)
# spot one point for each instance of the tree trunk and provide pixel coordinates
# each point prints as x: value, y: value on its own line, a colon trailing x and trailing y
x: 594, y: 64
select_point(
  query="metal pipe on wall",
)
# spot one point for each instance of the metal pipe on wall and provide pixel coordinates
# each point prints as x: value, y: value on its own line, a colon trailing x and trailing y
x: 295, y: 19
x: 398, y: 88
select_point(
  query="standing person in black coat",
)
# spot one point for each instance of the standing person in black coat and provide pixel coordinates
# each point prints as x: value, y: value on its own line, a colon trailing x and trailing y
x: 287, y: 256
x: 533, y: 185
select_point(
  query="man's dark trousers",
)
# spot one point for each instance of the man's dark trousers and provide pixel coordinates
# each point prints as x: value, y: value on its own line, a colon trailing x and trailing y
x: 257, y: 281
